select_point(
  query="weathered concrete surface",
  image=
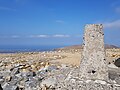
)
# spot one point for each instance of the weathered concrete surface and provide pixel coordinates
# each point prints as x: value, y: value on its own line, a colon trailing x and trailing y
x: 93, y: 64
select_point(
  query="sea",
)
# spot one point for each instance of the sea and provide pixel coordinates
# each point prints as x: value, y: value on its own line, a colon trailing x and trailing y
x: 27, y: 48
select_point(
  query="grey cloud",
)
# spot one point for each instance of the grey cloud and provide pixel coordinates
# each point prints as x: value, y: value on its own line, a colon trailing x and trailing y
x: 61, y: 36
x: 114, y: 24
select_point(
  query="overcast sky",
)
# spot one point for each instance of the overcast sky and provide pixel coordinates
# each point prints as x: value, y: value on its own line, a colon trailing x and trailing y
x: 56, y: 22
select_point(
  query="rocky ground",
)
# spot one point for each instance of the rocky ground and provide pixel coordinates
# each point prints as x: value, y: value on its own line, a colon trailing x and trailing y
x: 53, y: 70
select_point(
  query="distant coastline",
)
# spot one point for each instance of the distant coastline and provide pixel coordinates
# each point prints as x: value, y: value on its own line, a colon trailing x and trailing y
x: 107, y: 46
x: 40, y: 48
x: 27, y: 48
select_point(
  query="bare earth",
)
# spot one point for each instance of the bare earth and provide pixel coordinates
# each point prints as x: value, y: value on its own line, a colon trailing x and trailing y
x: 69, y: 56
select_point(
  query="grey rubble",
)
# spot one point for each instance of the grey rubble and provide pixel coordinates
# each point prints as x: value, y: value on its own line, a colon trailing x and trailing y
x: 93, y: 73
x: 62, y: 78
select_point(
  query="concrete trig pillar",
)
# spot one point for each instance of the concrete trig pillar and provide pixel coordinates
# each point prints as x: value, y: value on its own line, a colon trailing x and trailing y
x: 93, y: 65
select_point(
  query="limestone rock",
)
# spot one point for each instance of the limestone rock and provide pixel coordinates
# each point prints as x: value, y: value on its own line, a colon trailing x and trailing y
x: 15, y: 71
x: 8, y: 78
x: 11, y: 88
x: 48, y: 83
